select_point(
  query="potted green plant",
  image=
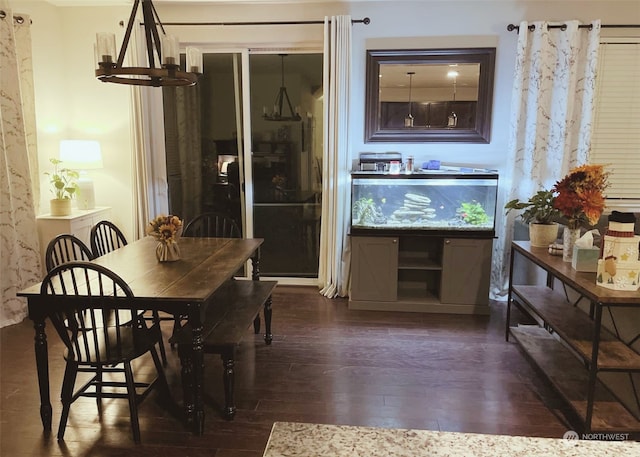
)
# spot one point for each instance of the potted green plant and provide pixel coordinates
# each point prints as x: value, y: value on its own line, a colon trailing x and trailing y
x: 541, y: 216
x: 64, y: 187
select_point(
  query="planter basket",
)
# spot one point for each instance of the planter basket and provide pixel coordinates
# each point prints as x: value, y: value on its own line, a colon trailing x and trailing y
x: 542, y: 235
x: 60, y: 207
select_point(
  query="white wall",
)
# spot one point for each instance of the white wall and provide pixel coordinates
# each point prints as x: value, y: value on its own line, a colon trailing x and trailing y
x: 72, y: 104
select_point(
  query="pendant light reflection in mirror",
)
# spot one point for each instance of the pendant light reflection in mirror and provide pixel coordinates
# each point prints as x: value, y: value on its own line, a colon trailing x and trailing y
x: 453, y: 117
x: 408, y: 121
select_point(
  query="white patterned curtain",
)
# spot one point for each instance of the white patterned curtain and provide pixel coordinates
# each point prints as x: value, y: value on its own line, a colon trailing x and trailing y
x: 335, y: 256
x: 19, y: 250
x: 551, y: 113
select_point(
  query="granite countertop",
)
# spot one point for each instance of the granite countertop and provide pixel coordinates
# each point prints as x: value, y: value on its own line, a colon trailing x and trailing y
x: 306, y: 440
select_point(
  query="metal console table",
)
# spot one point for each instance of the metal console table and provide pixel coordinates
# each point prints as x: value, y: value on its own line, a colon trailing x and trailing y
x: 571, y: 347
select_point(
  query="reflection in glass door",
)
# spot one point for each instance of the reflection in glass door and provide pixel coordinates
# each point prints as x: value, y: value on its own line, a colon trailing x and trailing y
x: 206, y: 163
x: 203, y: 141
x: 286, y: 161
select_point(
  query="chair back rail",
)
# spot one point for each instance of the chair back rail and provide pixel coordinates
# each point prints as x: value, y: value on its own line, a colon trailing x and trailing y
x: 66, y: 248
x: 90, y: 327
x: 212, y: 224
x: 106, y: 237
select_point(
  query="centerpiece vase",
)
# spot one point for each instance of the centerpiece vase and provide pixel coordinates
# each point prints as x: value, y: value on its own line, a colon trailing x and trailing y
x: 167, y: 251
x: 569, y: 238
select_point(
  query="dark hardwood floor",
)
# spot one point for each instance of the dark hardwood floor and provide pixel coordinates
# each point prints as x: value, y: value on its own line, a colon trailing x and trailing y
x: 327, y: 364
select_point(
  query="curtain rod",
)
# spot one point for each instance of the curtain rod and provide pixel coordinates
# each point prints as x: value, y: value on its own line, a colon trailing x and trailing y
x: 364, y: 21
x: 512, y: 27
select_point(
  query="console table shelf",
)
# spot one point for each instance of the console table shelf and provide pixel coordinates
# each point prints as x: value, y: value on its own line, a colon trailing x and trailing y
x: 572, y: 347
x: 576, y: 328
x: 571, y: 380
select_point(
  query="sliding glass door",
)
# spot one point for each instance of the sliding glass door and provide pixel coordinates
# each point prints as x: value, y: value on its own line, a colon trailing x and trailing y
x: 286, y: 160
x: 261, y: 167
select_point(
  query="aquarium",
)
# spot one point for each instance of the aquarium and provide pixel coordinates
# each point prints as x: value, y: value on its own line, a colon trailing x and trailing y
x: 425, y: 200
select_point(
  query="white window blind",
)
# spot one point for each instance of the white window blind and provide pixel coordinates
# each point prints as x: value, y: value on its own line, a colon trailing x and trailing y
x: 616, y: 127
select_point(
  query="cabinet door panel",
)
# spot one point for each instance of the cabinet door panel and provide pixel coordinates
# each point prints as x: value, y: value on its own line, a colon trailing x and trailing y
x: 374, y: 272
x: 466, y: 271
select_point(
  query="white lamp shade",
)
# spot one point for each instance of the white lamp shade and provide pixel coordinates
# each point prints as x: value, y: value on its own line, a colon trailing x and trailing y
x: 80, y: 154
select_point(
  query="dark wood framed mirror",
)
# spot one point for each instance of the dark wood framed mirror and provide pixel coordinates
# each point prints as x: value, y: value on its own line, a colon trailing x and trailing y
x: 429, y: 95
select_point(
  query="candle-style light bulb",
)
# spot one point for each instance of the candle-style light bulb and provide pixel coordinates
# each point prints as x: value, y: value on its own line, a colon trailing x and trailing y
x: 106, y: 48
x: 170, y: 51
x: 194, y: 60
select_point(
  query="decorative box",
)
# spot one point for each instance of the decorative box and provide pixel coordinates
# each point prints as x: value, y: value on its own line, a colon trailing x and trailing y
x: 585, y: 259
x: 623, y: 249
x: 619, y: 265
x: 619, y: 276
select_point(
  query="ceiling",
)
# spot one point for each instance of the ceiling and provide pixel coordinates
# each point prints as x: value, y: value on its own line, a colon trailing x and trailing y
x: 130, y: 2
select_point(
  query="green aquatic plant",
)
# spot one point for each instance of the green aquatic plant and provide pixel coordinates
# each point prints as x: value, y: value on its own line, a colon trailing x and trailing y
x: 366, y: 212
x: 472, y: 213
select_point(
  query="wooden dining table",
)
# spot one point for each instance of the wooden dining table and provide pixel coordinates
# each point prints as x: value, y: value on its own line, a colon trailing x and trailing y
x: 184, y: 287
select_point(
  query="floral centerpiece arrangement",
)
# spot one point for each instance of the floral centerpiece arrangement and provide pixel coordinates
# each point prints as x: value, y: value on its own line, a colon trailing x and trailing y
x: 580, y: 195
x: 580, y: 198
x: 167, y: 230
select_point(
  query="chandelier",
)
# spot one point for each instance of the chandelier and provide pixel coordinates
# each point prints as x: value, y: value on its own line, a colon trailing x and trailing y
x: 166, y: 72
x: 281, y: 98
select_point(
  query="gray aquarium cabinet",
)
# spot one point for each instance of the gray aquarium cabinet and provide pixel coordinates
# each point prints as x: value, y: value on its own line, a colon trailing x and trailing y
x: 422, y: 242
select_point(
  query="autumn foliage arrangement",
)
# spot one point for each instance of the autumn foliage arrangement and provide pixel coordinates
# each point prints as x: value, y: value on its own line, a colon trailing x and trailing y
x: 165, y: 228
x: 580, y: 195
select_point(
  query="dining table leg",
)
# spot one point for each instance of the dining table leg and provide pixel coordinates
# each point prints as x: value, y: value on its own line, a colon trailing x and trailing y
x: 255, y: 276
x: 42, y: 365
x: 192, y: 362
x: 186, y: 373
x: 255, y: 265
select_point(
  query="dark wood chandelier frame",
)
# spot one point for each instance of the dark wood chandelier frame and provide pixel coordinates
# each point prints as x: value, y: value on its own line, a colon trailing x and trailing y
x: 165, y: 75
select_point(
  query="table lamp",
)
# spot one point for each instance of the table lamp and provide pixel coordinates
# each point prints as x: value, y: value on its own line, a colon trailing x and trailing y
x: 82, y: 155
